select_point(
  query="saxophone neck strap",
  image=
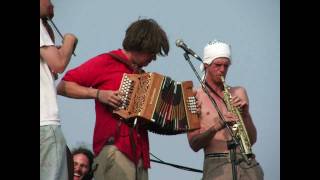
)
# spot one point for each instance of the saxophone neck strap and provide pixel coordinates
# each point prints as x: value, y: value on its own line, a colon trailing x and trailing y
x: 214, y: 92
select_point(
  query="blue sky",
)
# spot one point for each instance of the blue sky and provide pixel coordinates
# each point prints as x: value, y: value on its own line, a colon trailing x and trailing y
x: 251, y: 27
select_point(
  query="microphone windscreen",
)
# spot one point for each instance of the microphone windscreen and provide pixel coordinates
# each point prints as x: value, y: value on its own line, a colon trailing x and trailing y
x: 179, y: 42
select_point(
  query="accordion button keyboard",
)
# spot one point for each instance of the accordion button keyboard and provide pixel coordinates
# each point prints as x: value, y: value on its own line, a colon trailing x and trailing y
x: 191, y: 102
x: 126, y: 90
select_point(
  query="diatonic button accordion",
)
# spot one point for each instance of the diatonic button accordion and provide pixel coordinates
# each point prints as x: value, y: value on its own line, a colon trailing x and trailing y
x: 165, y: 106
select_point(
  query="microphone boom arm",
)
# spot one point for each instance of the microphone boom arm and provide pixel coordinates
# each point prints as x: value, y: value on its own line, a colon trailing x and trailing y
x: 181, y: 44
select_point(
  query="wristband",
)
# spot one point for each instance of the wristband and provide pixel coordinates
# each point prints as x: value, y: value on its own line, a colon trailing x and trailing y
x: 98, y: 92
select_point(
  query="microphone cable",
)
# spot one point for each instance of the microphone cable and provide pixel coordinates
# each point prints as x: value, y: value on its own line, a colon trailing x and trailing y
x: 174, y: 165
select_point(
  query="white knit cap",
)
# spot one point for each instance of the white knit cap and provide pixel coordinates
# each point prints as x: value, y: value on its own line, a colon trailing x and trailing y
x: 215, y: 49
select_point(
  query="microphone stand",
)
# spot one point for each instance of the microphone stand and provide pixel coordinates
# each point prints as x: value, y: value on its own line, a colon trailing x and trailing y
x: 233, y: 143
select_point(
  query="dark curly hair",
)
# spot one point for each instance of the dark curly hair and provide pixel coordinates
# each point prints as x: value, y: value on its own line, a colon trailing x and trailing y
x: 90, y: 156
x: 145, y: 35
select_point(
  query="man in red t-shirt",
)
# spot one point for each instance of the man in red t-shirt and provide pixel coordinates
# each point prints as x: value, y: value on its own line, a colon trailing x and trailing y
x: 121, y: 152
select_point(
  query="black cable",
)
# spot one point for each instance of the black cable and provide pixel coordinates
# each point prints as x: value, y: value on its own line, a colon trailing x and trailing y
x: 155, y: 157
x: 174, y: 165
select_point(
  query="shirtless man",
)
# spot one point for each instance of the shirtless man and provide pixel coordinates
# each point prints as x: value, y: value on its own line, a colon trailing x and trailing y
x: 213, y: 136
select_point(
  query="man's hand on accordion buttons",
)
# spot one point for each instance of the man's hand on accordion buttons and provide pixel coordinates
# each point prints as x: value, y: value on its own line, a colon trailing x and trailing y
x: 110, y: 98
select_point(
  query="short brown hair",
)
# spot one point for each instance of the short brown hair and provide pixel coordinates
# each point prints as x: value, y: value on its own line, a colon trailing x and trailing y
x: 145, y: 35
x: 85, y: 151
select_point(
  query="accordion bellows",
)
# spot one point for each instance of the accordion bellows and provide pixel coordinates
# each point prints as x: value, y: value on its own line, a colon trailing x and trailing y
x: 164, y: 105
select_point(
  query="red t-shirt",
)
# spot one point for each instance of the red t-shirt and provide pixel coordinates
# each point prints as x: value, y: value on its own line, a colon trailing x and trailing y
x: 105, y: 72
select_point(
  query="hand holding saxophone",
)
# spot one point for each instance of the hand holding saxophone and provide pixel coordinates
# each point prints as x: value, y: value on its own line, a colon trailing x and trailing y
x: 230, y: 118
x: 240, y: 103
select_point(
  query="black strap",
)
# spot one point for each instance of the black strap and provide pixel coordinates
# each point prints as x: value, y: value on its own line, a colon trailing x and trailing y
x: 133, y: 146
x: 217, y: 155
x: 138, y: 70
x: 212, y: 90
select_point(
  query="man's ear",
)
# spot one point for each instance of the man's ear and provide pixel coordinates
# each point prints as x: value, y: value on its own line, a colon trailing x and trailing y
x: 206, y: 65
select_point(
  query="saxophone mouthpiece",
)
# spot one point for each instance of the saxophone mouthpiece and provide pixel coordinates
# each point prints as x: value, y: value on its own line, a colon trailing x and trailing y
x: 222, y: 79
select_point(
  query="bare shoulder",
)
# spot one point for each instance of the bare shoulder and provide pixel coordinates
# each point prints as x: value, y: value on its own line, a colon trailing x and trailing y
x: 198, y: 91
x: 239, y: 91
x: 238, y: 88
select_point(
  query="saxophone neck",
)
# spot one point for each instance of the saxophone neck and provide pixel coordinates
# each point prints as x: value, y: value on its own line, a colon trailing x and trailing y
x: 225, y: 86
x: 227, y: 95
x: 222, y: 79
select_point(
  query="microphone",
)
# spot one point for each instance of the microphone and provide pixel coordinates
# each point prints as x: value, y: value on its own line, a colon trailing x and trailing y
x: 181, y: 44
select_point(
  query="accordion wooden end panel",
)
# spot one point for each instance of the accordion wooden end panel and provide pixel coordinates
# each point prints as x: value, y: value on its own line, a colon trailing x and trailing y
x: 163, y: 105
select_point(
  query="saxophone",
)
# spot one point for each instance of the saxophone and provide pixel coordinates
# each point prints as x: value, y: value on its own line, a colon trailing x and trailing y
x: 238, y: 128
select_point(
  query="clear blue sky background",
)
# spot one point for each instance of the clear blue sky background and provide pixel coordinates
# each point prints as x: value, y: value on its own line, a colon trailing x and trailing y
x: 251, y: 27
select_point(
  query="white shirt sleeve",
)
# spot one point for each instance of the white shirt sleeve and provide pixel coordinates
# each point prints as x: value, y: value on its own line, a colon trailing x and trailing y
x: 45, y: 39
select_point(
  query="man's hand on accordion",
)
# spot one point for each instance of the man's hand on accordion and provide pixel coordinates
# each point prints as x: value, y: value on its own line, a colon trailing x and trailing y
x: 110, y: 97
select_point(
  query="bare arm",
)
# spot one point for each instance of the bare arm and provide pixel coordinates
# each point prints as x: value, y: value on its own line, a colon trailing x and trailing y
x: 241, y: 100
x: 51, y: 34
x: 251, y: 129
x: 58, y: 59
x: 74, y: 90
x: 199, y: 140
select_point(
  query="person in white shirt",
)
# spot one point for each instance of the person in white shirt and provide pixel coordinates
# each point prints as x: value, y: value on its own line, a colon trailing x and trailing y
x: 53, y: 148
